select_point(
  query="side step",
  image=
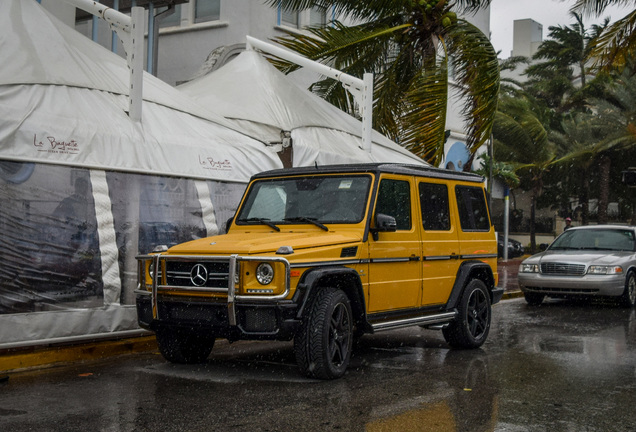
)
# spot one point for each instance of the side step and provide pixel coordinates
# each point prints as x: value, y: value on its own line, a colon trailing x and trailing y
x: 408, y: 322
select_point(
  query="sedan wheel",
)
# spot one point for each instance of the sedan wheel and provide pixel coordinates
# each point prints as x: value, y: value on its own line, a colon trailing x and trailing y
x: 628, y: 299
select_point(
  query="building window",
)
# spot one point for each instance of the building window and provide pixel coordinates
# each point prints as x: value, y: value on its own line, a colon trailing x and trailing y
x: 289, y: 18
x: 207, y: 10
x: 317, y: 17
x: 173, y: 19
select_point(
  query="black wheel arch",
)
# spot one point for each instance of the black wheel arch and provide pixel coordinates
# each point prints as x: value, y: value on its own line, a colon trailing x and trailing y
x: 469, y: 270
x: 343, y: 278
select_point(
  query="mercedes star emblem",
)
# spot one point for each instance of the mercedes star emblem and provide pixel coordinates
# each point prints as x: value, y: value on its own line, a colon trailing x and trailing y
x: 199, y: 275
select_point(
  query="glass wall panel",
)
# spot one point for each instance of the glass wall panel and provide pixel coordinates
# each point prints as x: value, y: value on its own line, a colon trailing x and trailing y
x: 49, y: 246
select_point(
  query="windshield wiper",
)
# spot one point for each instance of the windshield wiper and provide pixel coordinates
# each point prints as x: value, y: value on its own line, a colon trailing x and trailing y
x: 263, y: 221
x: 308, y: 220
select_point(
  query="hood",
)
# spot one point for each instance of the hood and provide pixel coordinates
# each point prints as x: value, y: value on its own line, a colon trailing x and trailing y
x: 580, y: 257
x: 254, y: 243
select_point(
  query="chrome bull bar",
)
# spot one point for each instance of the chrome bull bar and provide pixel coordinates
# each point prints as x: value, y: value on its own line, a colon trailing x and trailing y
x: 160, y: 260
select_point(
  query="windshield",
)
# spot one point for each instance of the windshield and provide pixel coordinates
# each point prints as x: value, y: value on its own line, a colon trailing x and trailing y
x: 309, y: 199
x: 595, y: 239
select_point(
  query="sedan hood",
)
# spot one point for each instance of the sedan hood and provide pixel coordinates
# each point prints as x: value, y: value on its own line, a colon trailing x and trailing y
x: 251, y: 244
x: 586, y: 257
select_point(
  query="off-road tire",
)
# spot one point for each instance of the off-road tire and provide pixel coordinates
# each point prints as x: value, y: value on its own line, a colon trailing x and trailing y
x: 324, y: 341
x: 185, y: 346
x: 628, y: 299
x: 470, y: 329
x: 534, y: 299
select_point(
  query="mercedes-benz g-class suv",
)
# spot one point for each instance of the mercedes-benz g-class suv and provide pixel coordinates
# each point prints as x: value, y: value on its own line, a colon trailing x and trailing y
x: 323, y: 255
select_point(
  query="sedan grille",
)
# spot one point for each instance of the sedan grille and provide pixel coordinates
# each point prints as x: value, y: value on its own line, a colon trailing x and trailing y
x: 563, y: 269
x: 197, y: 274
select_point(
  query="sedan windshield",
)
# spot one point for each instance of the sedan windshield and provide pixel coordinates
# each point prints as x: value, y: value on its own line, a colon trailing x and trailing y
x: 313, y: 200
x: 595, y: 239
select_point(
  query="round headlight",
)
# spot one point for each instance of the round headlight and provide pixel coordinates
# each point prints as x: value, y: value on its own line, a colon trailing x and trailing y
x: 264, y: 273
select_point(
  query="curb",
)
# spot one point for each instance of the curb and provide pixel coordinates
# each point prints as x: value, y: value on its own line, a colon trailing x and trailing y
x: 511, y: 295
x: 15, y: 360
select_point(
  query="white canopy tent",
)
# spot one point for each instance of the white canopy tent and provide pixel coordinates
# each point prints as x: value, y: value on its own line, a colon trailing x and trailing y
x: 260, y: 100
x: 84, y: 188
x: 58, y: 87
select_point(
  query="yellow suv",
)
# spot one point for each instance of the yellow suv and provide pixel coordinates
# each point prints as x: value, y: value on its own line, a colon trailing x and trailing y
x: 323, y: 255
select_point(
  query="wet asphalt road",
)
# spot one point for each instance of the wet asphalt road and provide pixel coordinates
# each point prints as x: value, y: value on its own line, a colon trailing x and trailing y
x: 558, y: 367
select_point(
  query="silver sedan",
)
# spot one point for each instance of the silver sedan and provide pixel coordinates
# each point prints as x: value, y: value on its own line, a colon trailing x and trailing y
x: 587, y: 261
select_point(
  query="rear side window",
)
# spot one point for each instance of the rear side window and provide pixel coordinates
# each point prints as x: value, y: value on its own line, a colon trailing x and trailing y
x: 434, y: 203
x: 471, y: 204
x: 394, y: 199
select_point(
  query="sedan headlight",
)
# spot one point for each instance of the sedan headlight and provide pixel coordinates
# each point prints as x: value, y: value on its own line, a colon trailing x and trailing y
x: 529, y: 268
x: 604, y: 270
x: 264, y: 273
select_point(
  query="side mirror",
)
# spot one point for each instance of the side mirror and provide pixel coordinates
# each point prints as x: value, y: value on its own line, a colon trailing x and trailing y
x: 228, y: 224
x: 383, y: 223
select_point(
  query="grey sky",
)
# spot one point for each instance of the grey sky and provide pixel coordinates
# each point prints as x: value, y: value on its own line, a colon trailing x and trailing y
x: 546, y: 12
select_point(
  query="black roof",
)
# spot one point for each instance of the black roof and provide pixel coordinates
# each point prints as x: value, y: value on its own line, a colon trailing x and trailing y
x: 377, y: 168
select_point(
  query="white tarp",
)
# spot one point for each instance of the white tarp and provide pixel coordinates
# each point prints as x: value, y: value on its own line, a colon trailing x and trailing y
x: 263, y: 101
x: 63, y: 100
x: 83, y: 189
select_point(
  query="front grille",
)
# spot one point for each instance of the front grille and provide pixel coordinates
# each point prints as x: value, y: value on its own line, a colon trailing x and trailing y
x: 186, y: 274
x: 563, y: 269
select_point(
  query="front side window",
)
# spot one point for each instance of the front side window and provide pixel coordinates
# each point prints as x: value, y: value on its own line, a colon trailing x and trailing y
x: 434, y: 203
x: 473, y: 212
x: 394, y: 199
x: 324, y: 199
x: 207, y: 10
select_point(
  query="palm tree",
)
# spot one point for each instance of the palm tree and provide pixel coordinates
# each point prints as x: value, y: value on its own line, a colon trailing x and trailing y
x: 616, y: 116
x: 410, y: 46
x: 522, y: 140
x: 580, y: 147
x: 560, y: 79
x: 612, y: 48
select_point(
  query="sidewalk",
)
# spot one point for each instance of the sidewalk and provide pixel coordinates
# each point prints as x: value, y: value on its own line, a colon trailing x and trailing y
x: 508, y: 271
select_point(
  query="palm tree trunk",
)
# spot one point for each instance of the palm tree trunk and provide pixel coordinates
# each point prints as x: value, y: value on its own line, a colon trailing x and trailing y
x: 584, y: 197
x: 605, y: 164
x: 533, y: 237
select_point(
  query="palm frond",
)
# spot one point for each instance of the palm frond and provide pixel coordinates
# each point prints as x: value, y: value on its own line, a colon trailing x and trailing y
x: 597, y: 7
x: 611, y: 50
x: 424, y: 119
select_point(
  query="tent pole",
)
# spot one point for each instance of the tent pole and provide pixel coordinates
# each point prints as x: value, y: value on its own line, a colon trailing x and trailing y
x: 362, y: 90
x: 130, y: 30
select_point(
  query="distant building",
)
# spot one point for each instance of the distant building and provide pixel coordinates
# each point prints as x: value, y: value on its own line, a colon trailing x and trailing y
x: 527, y: 36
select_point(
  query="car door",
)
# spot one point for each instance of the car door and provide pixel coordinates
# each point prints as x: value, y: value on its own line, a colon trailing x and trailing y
x: 440, y: 245
x: 394, y: 258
